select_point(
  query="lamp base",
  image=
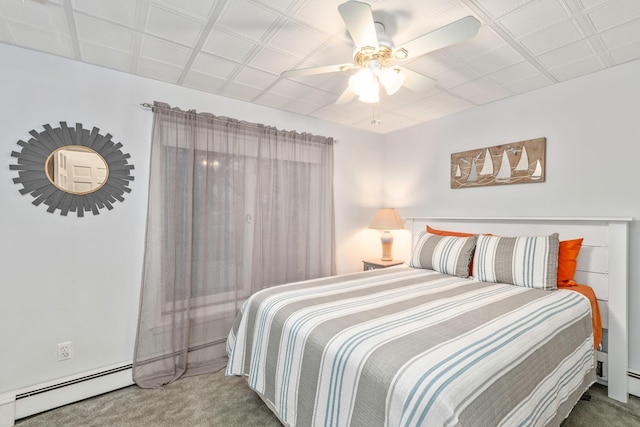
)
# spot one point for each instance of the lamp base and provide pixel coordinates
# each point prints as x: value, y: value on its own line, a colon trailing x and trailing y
x: 387, y: 243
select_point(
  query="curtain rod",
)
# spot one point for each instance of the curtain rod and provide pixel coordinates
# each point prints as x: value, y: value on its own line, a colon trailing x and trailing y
x: 151, y: 107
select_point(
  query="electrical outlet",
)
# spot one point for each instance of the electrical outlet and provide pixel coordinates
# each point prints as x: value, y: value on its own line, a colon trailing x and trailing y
x: 65, y: 351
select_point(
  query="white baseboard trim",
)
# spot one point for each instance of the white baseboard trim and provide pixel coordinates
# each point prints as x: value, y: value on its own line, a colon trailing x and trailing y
x: 634, y: 383
x: 52, y: 394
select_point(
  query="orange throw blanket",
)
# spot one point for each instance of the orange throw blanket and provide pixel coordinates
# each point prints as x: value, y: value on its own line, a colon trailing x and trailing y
x: 587, y: 291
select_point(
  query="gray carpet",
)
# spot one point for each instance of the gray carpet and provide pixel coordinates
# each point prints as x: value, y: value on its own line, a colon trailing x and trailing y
x: 217, y: 400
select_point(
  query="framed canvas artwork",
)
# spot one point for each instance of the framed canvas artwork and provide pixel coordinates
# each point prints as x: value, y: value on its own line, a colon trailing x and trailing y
x: 514, y: 163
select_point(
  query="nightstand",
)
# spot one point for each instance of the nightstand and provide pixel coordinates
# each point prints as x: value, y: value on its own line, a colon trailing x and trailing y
x: 374, y: 264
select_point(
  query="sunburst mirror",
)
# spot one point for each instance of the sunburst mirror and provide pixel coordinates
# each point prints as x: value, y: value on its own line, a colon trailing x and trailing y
x: 72, y: 169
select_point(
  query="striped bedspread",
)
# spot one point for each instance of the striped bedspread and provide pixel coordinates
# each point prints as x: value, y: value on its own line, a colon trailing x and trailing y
x: 413, y: 347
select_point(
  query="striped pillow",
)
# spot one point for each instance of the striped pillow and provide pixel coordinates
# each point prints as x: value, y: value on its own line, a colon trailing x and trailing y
x: 531, y: 262
x: 446, y: 254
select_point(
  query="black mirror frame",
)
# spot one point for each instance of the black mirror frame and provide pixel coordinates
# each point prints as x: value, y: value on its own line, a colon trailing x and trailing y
x: 34, y: 180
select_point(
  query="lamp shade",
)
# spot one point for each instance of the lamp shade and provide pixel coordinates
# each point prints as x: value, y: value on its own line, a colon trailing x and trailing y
x: 387, y: 219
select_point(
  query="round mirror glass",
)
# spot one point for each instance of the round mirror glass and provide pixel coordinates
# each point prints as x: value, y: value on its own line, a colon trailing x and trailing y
x: 76, y: 169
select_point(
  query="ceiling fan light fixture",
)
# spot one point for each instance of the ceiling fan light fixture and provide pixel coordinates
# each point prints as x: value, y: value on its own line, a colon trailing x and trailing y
x: 370, y: 97
x: 391, y: 79
x: 363, y: 82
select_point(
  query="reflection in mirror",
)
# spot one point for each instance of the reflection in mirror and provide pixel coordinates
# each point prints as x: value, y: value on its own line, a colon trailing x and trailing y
x: 76, y: 169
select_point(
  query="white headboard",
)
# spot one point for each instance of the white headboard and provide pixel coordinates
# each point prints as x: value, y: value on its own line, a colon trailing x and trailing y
x: 603, y: 264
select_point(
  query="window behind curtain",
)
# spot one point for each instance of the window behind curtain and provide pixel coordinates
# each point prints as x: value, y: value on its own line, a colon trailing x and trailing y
x: 234, y: 207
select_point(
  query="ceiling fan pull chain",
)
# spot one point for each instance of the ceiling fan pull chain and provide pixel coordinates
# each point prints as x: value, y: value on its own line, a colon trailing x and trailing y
x: 375, y: 119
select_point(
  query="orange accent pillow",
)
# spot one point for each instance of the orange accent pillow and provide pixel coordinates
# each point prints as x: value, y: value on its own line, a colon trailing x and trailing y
x: 568, y: 260
x: 596, y: 321
x: 448, y: 233
x: 456, y: 234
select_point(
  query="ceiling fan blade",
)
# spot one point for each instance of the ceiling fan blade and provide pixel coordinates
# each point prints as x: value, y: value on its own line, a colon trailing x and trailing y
x: 416, y: 81
x: 450, y: 34
x: 316, y: 70
x: 358, y: 18
x: 347, y: 96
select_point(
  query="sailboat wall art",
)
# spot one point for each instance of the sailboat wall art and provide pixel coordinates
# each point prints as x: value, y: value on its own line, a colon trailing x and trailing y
x: 515, y: 163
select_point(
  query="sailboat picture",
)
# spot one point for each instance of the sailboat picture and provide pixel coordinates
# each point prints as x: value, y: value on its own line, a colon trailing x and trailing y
x: 487, y: 166
x: 513, y: 163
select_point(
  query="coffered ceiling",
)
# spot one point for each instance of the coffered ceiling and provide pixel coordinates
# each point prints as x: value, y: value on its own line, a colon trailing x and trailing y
x: 238, y: 48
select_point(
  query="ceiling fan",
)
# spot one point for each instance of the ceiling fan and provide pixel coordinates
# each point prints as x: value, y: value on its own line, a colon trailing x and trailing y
x: 375, y: 54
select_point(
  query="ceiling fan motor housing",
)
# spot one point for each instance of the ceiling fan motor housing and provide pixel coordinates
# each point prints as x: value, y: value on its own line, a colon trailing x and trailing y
x: 383, y: 54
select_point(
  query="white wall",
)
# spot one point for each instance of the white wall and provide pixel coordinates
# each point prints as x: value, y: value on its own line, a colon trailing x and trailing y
x: 592, y: 126
x: 78, y: 279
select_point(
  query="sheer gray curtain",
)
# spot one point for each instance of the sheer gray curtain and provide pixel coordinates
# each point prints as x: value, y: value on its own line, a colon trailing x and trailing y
x: 234, y: 207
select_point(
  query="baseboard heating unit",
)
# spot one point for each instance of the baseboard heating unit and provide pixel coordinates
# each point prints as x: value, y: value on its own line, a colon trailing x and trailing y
x: 43, y: 397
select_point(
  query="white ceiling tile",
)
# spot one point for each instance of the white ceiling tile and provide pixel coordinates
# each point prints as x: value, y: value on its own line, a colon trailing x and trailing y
x: 340, y: 114
x: 247, y: 19
x: 336, y: 84
x: 486, y: 40
x: 513, y: 73
x: 5, y: 34
x: 333, y: 52
x: 534, y: 17
x: 283, y: 5
x: 213, y: 66
x: 356, y: 111
x: 480, y: 91
x: 565, y: 55
x: 158, y: 70
x: 39, y: 39
x: 495, y: 60
x: 577, y: 69
x: 454, y: 77
x: 403, y: 97
x: 389, y: 122
x: 172, y: 26
x: 240, y: 91
x: 528, y: 84
x: 105, y: 57
x: 621, y: 36
x: 270, y: 99
x: 450, y: 12
x: 319, y: 97
x: 417, y: 111
x: 255, y: 78
x: 273, y: 61
x: 441, y: 98
x: 290, y: 89
x: 431, y: 64
x: 322, y: 15
x: 497, y: 8
x: 199, y: 9
x: 296, y: 39
x: 301, y: 106
x: 552, y: 38
x: 588, y: 4
x: 35, y: 14
x: 614, y: 13
x: 225, y: 45
x: 203, y: 82
x: 121, y: 11
x: 626, y: 53
x: 104, y: 33
x: 164, y: 51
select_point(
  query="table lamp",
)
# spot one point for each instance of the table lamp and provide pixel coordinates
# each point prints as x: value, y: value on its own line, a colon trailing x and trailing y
x: 387, y: 219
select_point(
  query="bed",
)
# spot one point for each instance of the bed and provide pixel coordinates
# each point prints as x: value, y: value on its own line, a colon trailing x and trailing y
x: 415, y: 345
